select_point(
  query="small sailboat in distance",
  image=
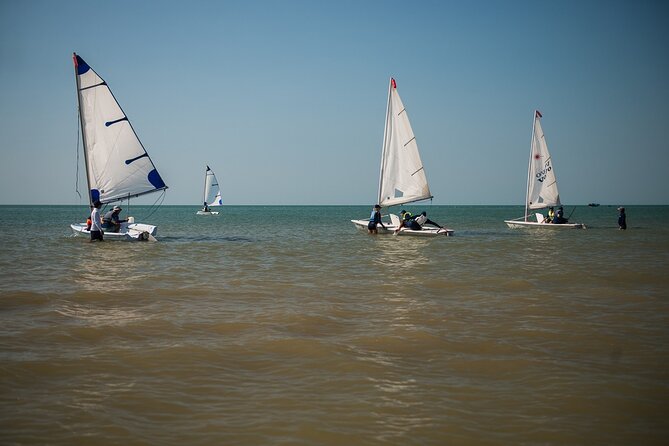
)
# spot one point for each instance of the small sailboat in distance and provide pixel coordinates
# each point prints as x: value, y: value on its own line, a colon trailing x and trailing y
x: 402, y: 178
x: 212, y: 193
x: 117, y: 165
x: 542, y: 189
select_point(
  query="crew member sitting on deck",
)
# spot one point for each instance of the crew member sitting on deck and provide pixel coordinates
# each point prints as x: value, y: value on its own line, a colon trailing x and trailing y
x: 408, y: 221
x: 559, y: 217
x: 111, y: 222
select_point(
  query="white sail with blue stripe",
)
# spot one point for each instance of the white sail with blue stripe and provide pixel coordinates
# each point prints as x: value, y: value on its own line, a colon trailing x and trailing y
x: 212, y: 193
x: 117, y: 165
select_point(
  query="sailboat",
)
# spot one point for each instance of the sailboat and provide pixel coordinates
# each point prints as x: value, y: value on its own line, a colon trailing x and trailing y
x: 117, y: 165
x: 542, y: 188
x: 402, y: 177
x: 212, y: 193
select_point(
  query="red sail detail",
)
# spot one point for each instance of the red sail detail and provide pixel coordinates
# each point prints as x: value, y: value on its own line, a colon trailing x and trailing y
x: 392, y: 82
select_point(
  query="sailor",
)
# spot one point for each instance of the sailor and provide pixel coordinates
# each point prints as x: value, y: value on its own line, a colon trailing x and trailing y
x: 408, y: 221
x: 622, y: 219
x: 422, y: 220
x: 96, y: 222
x: 375, y: 220
x: 111, y: 222
x: 559, y: 217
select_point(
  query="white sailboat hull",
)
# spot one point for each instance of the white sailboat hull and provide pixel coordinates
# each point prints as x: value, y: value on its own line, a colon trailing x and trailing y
x: 207, y: 212
x: 520, y: 224
x: 427, y: 231
x: 128, y: 232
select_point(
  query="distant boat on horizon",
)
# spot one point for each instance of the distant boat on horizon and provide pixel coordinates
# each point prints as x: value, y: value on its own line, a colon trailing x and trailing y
x: 593, y: 205
x: 212, y: 193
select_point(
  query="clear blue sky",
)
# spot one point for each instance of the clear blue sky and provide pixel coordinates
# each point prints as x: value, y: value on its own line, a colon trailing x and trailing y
x: 286, y: 100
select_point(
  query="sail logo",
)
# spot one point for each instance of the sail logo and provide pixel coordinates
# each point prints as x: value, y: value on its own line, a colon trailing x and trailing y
x: 541, y: 175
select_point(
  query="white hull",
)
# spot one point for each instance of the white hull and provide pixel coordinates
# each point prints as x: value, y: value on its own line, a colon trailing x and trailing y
x: 128, y: 232
x: 207, y: 212
x: 520, y: 224
x: 427, y: 231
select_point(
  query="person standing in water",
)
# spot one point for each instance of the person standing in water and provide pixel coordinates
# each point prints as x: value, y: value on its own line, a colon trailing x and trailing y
x: 622, y: 219
x: 375, y: 220
x: 96, y: 222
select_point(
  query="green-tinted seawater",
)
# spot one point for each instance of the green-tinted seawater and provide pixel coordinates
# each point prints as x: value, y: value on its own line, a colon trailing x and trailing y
x: 284, y: 325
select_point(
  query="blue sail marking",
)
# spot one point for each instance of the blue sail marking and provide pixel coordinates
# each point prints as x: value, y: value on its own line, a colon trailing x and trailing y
x: 108, y: 123
x: 95, y: 195
x: 82, y: 67
x: 155, y: 180
x: 136, y: 158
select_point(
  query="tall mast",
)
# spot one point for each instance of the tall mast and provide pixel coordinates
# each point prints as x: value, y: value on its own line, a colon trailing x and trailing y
x: 529, y: 164
x: 81, y: 123
x: 391, y: 85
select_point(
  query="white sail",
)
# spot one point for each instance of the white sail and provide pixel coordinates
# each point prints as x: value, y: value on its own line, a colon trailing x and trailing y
x: 542, y: 190
x: 212, y: 191
x: 117, y: 164
x: 402, y: 178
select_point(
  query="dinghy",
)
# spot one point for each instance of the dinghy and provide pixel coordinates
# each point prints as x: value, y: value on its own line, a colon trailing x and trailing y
x: 212, y: 193
x: 117, y: 165
x: 542, y: 190
x: 402, y: 178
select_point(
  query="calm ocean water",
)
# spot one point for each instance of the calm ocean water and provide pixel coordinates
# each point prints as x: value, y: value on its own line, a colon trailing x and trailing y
x: 283, y: 325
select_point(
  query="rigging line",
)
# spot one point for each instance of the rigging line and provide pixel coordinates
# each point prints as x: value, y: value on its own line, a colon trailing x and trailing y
x: 155, y: 207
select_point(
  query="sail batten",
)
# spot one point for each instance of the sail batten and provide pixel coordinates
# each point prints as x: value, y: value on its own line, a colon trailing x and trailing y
x: 117, y: 164
x: 401, y: 167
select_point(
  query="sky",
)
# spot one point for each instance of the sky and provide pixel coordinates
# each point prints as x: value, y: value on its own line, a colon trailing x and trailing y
x: 285, y: 100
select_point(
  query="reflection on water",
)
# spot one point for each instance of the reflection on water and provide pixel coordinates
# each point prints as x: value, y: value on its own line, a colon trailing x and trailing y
x: 95, y: 317
x: 401, y: 253
x: 113, y: 267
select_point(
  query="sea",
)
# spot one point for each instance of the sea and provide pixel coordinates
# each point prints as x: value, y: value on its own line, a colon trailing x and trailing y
x: 284, y: 325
